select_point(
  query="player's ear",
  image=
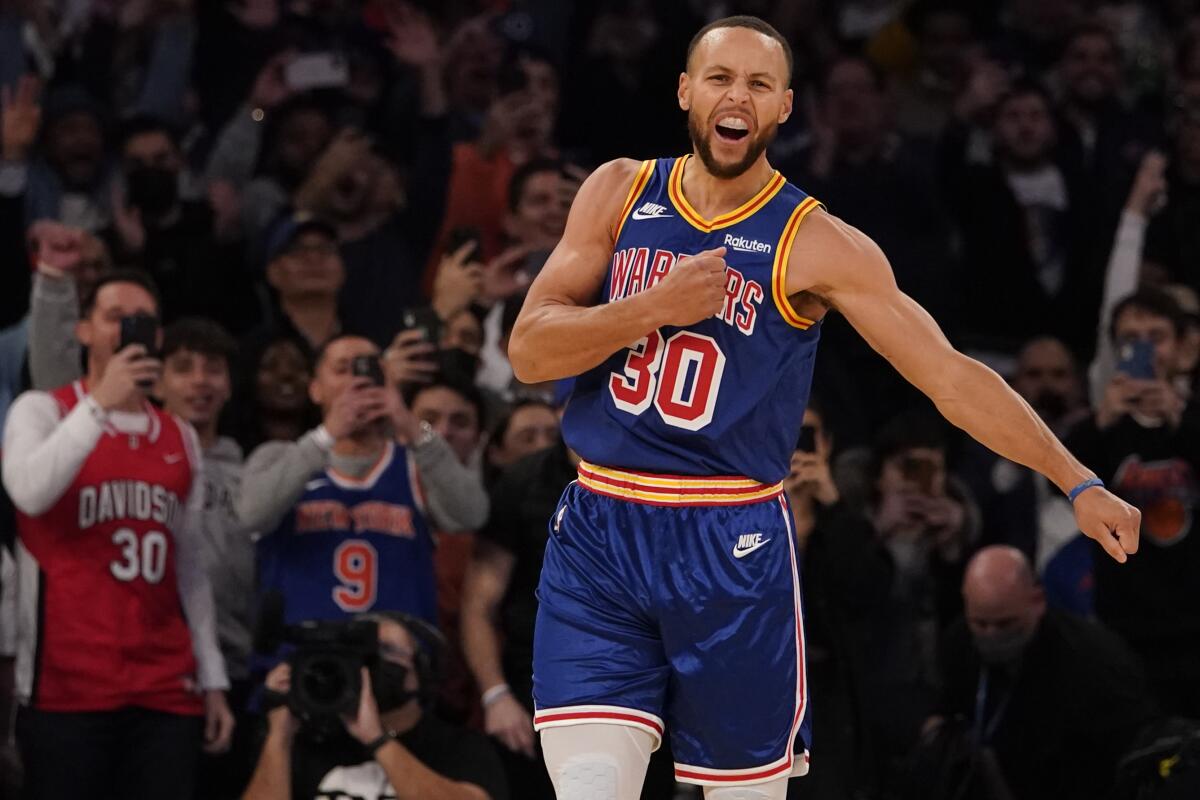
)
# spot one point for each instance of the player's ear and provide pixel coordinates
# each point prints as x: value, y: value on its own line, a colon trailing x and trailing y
x: 786, y: 110
x: 683, y: 92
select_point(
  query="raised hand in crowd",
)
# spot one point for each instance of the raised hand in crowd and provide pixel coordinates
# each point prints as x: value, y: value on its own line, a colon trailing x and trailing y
x: 127, y: 220
x: 409, y: 359
x: 58, y: 248
x: 1149, y: 192
x: 459, y: 281
x: 125, y: 377
x: 255, y: 14
x: 349, y: 150
x: 411, y: 37
x: 20, y: 118
x: 506, y: 127
x: 358, y: 406
x: 1154, y: 398
x: 504, y: 275
x: 270, y: 87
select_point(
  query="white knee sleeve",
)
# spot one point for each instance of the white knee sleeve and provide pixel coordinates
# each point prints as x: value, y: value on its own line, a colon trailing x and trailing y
x: 774, y: 790
x: 597, y: 761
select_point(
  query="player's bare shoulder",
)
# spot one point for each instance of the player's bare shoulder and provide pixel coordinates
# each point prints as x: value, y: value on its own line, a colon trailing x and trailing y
x: 829, y: 254
x: 598, y: 205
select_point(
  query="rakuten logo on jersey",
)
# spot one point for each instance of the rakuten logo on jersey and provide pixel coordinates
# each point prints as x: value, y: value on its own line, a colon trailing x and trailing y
x: 744, y: 245
x: 635, y: 269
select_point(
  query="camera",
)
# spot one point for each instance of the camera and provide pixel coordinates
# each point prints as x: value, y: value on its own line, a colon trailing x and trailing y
x: 368, y: 367
x: 327, y: 670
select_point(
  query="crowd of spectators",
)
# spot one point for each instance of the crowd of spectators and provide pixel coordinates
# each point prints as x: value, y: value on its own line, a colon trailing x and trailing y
x: 331, y: 209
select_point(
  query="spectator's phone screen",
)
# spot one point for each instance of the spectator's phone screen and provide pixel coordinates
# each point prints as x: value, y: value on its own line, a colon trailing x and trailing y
x: 1135, y: 358
x: 919, y: 471
x: 808, y: 439
x: 423, y: 319
x: 460, y: 236
x: 367, y: 367
x: 316, y: 71
x: 139, y: 329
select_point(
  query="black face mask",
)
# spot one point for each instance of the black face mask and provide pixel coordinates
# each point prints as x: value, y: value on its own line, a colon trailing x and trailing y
x: 457, y: 366
x: 153, y: 190
x: 1050, y: 404
x: 390, y: 689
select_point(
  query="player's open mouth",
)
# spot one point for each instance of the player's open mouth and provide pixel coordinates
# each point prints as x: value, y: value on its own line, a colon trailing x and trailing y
x: 732, y: 129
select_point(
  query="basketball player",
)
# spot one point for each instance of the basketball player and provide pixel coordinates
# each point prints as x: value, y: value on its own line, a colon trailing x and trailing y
x: 669, y: 592
x: 118, y: 667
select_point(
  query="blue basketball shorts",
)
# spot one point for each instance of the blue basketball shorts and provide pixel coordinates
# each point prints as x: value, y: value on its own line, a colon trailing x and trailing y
x: 673, y: 604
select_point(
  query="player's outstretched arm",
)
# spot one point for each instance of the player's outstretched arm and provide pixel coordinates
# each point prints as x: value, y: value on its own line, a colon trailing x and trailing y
x: 842, y: 265
x: 560, y: 332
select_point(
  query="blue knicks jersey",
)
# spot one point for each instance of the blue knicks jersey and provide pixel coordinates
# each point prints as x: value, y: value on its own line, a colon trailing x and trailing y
x: 724, y: 396
x: 353, y: 545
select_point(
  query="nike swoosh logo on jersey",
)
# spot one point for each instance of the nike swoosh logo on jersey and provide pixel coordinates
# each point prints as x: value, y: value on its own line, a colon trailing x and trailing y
x: 316, y: 484
x: 742, y: 552
x: 651, y: 211
x: 173, y: 458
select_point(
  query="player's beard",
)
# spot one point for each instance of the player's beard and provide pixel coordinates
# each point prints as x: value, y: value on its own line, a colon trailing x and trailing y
x: 702, y: 141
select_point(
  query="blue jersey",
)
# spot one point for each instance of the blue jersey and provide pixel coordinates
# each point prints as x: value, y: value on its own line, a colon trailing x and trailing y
x: 724, y: 396
x: 353, y: 545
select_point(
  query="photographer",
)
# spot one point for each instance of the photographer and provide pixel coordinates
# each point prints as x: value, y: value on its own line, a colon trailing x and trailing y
x: 118, y: 668
x: 346, y: 510
x: 393, y: 750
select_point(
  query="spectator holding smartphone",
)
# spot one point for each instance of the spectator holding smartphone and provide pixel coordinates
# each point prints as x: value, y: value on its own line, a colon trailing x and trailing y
x: 119, y: 673
x: 1144, y: 441
x: 345, y: 511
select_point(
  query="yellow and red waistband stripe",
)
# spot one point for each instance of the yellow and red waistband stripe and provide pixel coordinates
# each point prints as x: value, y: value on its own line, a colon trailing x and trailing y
x: 674, y: 490
x: 779, y: 270
x: 635, y: 191
x: 744, y: 211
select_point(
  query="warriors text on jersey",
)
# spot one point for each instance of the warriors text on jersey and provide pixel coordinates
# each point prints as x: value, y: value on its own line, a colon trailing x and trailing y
x: 724, y: 396
x: 353, y: 545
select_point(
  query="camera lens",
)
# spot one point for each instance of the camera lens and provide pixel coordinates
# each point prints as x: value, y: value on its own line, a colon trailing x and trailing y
x: 324, y: 683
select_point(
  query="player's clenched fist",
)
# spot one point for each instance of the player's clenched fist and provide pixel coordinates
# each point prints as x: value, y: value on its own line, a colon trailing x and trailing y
x: 694, y: 289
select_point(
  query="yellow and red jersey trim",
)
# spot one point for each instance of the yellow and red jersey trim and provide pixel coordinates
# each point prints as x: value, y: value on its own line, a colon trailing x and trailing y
x: 742, y: 212
x: 674, y: 490
x: 635, y: 191
x: 779, y: 271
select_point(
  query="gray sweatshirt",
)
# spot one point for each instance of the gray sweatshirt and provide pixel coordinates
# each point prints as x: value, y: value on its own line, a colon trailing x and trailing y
x: 228, y: 555
x: 276, y: 473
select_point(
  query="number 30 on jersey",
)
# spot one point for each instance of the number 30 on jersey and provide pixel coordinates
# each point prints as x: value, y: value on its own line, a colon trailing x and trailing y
x: 680, y: 376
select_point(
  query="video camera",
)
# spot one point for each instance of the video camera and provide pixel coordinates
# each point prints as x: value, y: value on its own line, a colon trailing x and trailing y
x: 327, y: 669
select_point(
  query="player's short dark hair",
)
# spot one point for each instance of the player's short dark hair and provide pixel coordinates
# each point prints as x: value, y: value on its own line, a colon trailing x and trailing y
x: 122, y: 275
x: 1153, y: 301
x: 744, y: 21
x: 521, y: 176
x: 467, y: 391
x: 198, y: 335
x: 142, y: 124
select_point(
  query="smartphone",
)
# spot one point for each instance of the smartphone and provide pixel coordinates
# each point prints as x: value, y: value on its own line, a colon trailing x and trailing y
x: 367, y: 366
x: 460, y: 236
x: 807, y: 442
x: 1135, y: 358
x: 457, y: 366
x: 140, y: 329
x: 317, y: 71
x: 919, y: 471
x: 423, y: 319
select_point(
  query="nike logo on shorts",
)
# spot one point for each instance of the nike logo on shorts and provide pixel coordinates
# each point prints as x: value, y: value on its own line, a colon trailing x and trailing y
x: 747, y: 543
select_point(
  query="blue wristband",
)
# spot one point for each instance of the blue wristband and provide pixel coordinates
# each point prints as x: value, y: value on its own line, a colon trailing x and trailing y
x: 1078, y: 490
